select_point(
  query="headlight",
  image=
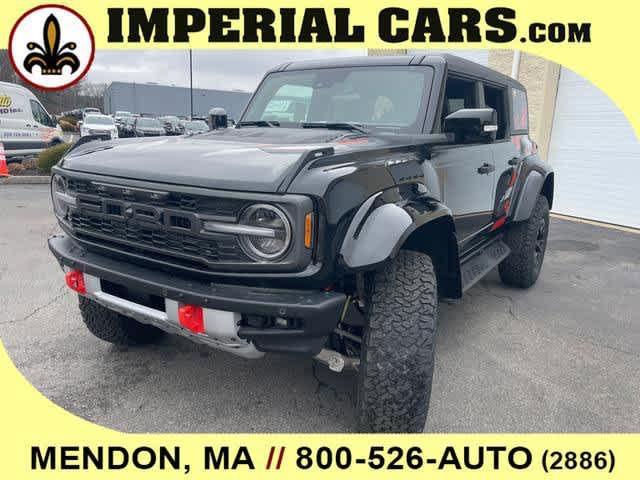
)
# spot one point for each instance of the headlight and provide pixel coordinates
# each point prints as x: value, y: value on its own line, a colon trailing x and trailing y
x: 60, y: 197
x: 276, y: 236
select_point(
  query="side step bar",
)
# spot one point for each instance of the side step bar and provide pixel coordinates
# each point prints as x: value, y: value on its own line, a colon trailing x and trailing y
x: 477, y: 265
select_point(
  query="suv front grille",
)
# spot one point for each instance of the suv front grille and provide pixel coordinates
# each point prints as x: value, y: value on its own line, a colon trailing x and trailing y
x: 156, y: 224
x: 224, y: 207
x: 226, y: 250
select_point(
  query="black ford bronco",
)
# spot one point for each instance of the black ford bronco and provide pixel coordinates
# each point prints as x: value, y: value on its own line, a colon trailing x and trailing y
x: 352, y: 195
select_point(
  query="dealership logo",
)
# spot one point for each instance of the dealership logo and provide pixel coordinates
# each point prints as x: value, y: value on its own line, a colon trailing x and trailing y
x: 5, y: 101
x: 51, y: 47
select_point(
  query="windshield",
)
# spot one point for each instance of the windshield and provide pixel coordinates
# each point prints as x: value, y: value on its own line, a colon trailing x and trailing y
x: 99, y: 120
x: 375, y: 97
x: 148, y: 122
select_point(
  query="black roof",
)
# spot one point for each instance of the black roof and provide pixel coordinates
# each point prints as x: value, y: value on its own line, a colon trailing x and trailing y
x: 453, y: 62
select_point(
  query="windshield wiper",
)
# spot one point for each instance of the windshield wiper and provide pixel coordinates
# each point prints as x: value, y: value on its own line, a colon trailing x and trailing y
x: 259, y: 123
x: 356, y: 127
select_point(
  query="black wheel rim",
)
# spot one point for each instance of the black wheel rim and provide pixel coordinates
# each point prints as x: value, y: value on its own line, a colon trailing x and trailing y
x: 540, y: 242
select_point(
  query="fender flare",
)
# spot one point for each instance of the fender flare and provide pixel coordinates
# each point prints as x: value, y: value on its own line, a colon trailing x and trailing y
x: 535, y: 177
x: 532, y: 187
x: 377, y: 232
x: 528, y: 196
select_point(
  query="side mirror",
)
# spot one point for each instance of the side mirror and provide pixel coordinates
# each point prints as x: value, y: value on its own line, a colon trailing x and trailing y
x: 217, y: 118
x: 471, y: 125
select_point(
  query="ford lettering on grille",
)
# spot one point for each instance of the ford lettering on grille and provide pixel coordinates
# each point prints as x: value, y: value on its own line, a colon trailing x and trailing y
x: 142, y: 214
x: 156, y: 223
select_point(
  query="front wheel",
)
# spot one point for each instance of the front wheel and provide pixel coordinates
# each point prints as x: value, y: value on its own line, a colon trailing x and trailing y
x: 397, y: 357
x: 528, y: 243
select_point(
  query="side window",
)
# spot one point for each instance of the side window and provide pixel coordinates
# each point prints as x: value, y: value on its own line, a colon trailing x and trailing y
x: 39, y: 114
x: 458, y: 94
x: 520, y: 114
x: 495, y: 98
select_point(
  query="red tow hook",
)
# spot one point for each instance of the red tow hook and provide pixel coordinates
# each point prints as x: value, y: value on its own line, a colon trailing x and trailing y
x: 191, y: 317
x: 75, y: 281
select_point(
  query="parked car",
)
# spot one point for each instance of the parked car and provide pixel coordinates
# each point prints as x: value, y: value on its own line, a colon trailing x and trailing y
x: 98, y: 125
x: 121, y: 114
x: 90, y: 111
x: 171, y: 125
x: 193, y: 127
x: 332, y: 234
x: 147, y: 127
x: 126, y: 127
x: 26, y: 127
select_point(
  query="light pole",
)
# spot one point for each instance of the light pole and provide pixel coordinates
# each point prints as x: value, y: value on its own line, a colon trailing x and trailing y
x: 191, y: 82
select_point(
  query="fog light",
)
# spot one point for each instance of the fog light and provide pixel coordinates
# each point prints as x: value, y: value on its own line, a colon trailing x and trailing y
x: 191, y: 317
x: 75, y: 281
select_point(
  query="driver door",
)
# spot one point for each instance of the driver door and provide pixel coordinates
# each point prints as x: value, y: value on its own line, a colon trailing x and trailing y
x: 466, y: 171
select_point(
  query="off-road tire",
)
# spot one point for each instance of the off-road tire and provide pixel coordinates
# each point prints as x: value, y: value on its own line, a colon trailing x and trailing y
x: 396, y: 361
x: 528, y: 243
x: 115, y: 328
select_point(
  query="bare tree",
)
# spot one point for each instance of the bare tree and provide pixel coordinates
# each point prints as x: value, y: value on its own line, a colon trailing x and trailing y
x: 7, y: 73
x: 83, y: 94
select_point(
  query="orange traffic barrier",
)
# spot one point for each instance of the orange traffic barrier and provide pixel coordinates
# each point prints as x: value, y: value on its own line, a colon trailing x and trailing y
x: 4, y: 171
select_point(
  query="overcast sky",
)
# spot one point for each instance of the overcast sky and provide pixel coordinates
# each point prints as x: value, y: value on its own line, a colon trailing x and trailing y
x: 224, y: 69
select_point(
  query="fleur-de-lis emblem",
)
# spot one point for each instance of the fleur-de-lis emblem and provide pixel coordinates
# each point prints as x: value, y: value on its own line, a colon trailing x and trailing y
x: 51, y: 57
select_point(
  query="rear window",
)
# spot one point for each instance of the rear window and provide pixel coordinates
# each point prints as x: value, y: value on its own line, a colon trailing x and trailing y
x: 148, y: 122
x: 197, y: 125
x: 520, y: 119
x: 99, y: 120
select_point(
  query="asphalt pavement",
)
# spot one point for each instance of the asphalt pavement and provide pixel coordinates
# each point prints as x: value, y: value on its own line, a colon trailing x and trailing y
x: 563, y: 356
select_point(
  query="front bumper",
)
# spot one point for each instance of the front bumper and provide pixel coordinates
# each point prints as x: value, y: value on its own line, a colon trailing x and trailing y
x: 316, y: 312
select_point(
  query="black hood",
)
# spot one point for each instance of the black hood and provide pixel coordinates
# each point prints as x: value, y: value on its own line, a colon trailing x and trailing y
x: 248, y: 159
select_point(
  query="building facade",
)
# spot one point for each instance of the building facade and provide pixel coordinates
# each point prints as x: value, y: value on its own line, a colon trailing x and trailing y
x: 154, y: 99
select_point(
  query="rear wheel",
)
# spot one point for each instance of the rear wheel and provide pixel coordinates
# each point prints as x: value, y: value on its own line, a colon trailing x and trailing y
x: 528, y: 243
x: 115, y: 328
x: 397, y: 357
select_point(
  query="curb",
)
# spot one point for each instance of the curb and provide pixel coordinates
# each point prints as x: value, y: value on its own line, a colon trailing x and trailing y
x: 26, y: 180
x: 596, y: 223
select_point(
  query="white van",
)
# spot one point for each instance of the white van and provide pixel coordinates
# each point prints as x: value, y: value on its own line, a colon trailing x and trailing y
x: 26, y: 127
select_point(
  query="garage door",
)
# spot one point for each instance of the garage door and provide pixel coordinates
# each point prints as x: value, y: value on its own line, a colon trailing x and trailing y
x: 595, y: 155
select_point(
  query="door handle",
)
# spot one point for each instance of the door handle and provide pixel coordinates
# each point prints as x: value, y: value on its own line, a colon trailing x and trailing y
x: 485, y: 169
